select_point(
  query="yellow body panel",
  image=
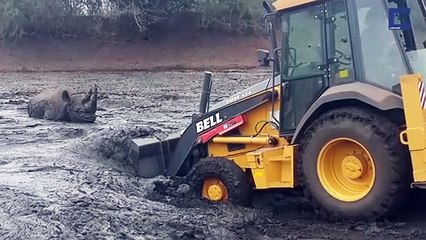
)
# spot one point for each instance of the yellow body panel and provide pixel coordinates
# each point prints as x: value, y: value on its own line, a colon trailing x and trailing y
x: 270, y: 162
x: 286, y: 4
x: 256, y: 115
x: 415, y: 118
x: 272, y: 167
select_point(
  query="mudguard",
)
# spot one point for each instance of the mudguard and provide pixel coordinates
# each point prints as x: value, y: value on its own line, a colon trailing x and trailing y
x: 374, y: 96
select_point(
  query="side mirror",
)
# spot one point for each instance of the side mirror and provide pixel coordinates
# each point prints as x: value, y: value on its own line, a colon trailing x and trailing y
x: 267, y: 6
x: 263, y: 57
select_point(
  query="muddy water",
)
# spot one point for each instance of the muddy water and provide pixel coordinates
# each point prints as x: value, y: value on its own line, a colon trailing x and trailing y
x: 70, y: 181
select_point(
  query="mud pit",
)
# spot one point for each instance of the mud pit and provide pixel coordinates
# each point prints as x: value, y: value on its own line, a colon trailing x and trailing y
x: 69, y: 181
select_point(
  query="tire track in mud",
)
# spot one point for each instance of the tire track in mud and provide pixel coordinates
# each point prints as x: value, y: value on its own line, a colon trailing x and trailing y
x: 71, y: 181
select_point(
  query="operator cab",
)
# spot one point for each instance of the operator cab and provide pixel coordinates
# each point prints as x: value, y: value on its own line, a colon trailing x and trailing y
x: 335, y: 42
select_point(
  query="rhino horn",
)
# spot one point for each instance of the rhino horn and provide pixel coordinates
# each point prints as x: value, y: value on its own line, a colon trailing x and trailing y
x: 86, y: 97
x: 89, y: 94
x: 91, y: 100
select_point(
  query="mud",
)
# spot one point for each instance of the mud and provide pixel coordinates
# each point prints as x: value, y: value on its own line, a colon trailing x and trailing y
x: 71, y: 181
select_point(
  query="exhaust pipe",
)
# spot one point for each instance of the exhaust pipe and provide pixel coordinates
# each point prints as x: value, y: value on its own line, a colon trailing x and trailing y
x: 205, y: 94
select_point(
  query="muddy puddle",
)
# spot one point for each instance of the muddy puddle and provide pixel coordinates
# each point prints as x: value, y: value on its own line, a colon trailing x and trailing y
x: 71, y: 181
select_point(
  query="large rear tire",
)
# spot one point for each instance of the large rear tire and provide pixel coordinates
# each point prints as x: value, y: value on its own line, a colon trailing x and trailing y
x: 220, y: 180
x: 352, y: 165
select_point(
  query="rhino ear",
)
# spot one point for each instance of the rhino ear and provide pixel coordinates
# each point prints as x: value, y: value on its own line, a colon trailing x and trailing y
x: 66, y: 96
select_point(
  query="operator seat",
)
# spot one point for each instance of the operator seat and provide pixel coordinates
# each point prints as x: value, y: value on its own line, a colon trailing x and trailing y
x: 379, y: 48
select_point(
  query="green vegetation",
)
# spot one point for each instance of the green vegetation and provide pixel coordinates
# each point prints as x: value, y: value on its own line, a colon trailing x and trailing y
x: 87, y: 18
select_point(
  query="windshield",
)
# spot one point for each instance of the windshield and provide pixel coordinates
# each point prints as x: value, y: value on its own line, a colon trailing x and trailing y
x: 380, y: 39
x: 416, y: 48
x: 382, y: 59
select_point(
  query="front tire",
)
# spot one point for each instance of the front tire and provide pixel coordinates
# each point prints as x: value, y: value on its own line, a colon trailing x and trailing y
x: 352, y: 165
x: 220, y: 180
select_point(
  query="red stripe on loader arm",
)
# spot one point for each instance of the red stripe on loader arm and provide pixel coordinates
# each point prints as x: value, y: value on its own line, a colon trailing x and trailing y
x: 221, y: 129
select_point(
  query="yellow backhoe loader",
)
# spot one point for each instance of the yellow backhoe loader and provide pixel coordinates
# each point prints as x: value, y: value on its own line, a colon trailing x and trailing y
x: 343, y: 115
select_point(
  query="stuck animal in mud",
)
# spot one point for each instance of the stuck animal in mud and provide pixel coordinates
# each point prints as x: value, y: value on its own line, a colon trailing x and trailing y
x: 62, y: 104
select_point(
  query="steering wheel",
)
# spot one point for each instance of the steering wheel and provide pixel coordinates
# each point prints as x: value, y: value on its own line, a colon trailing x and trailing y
x: 295, y: 67
x: 344, y: 56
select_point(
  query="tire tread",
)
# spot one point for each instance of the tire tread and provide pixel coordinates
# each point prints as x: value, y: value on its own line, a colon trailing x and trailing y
x: 396, y: 193
x: 236, y: 181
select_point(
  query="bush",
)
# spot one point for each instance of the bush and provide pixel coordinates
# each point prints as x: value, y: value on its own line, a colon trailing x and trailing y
x: 243, y: 16
x: 14, y: 18
x: 82, y: 18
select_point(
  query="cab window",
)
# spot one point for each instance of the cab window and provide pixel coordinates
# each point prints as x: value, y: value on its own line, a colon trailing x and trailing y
x: 340, y: 47
x: 417, y: 53
x: 303, y: 46
x: 382, y: 60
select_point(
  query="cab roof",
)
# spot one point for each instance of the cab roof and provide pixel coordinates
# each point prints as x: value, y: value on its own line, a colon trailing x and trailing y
x: 287, y: 4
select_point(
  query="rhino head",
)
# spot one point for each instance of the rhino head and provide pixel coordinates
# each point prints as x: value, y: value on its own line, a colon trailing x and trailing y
x: 81, y: 109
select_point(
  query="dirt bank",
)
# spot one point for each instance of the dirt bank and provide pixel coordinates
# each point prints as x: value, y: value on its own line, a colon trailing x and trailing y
x: 69, y: 181
x: 173, y: 50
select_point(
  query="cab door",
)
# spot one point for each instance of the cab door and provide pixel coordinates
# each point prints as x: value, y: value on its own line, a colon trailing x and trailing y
x: 304, y: 65
x: 317, y: 55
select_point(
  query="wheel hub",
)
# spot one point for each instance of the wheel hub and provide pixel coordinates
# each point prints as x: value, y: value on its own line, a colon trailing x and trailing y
x: 346, y: 169
x: 215, y: 193
x: 214, y: 190
x: 353, y: 166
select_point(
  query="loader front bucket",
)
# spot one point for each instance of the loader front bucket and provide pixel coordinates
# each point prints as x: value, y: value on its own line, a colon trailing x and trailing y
x: 151, y: 156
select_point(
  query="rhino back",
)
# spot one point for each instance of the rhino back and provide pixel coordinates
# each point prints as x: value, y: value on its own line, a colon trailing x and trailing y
x: 49, y: 105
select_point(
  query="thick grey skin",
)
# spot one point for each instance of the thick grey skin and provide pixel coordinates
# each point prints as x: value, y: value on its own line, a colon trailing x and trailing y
x: 62, y: 104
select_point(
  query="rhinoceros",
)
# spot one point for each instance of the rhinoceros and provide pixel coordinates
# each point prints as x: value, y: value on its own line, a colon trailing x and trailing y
x: 63, y: 104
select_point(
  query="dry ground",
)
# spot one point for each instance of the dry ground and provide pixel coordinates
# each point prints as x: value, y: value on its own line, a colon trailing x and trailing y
x: 171, y: 50
x: 69, y: 181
